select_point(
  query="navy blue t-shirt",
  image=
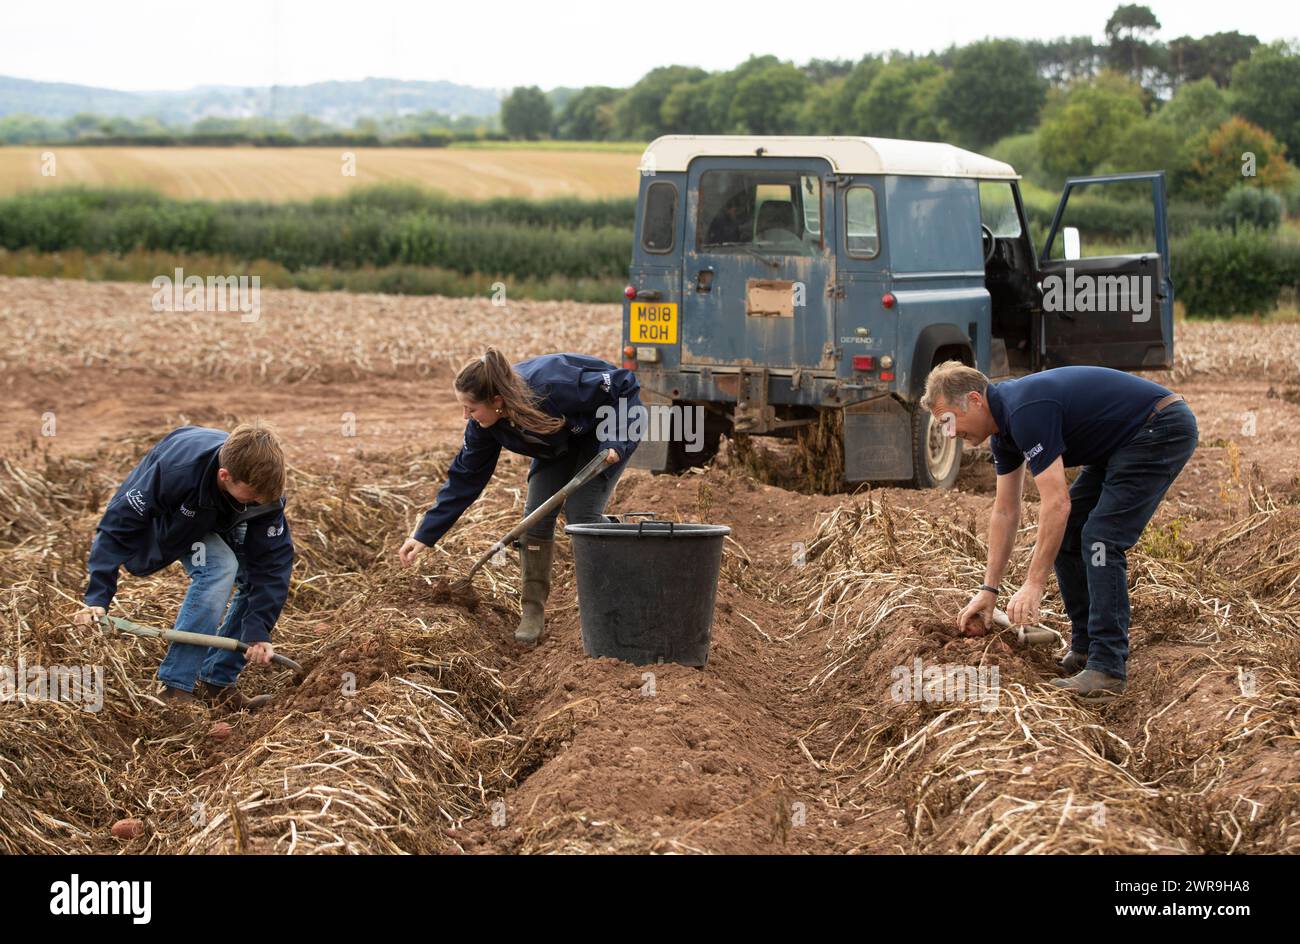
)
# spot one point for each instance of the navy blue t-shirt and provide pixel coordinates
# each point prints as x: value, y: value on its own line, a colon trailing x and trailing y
x: 1082, y: 414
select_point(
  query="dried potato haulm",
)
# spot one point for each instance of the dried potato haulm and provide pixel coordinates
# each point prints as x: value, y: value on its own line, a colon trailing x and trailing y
x: 399, y: 730
x: 417, y: 722
x: 1173, y: 768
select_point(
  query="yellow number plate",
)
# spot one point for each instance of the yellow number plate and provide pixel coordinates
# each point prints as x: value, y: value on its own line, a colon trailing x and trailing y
x: 653, y: 323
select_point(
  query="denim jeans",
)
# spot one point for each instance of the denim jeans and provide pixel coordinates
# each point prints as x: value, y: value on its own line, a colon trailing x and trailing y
x: 1110, y: 504
x: 213, y: 572
x: 584, y: 506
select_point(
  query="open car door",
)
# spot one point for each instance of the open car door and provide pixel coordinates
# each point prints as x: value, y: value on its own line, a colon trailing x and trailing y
x: 1108, y: 301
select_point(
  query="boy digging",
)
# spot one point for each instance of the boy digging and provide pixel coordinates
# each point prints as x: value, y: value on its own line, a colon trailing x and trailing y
x: 214, y: 502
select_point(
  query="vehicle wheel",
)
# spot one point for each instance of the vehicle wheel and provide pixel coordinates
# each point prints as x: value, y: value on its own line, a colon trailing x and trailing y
x: 936, y: 459
x: 679, y: 459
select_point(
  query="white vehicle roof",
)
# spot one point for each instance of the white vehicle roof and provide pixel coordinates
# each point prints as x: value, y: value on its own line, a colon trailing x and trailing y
x: 674, y: 152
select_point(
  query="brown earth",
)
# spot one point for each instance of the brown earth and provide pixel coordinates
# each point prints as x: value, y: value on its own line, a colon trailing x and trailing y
x: 446, y: 736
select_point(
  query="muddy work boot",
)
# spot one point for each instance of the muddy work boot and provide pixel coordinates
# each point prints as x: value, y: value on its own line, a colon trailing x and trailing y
x: 535, y: 564
x: 1073, y: 662
x: 178, y: 696
x: 1092, y: 684
x: 231, y: 698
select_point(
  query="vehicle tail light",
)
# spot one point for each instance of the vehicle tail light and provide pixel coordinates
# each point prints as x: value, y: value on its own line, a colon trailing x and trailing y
x: 888, y: 300
x: 886, y: 375
x: 864, y: 361
x: 629, y: 292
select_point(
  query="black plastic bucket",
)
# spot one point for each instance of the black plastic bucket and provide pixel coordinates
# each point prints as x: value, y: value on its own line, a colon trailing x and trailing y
x: 646, y: 590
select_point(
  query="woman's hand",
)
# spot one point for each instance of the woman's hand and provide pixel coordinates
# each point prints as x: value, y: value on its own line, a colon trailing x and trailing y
x: 406, y: 553
x: 612, y: 457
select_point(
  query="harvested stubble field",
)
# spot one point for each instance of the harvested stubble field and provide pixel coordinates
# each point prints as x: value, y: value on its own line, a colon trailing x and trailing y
x: 278, y: 174
x: 453, y: 739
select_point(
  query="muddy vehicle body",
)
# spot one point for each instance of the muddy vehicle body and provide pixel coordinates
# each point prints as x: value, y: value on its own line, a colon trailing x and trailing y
x: 775, y: 278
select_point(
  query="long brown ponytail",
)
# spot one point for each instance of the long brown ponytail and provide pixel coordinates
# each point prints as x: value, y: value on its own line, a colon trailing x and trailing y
x: 492, y: 376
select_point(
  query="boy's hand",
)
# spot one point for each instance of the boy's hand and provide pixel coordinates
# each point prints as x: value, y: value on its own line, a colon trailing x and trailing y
x: 406, y: 553
x: 612, y: 457
x: 260, y: 653
x: 87, y: 615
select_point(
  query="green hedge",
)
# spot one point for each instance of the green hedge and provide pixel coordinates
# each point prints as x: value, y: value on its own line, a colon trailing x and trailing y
x: 379, y: 227
x: 143, y: 266
x: 1108, y: 219
x: 1218, y: 273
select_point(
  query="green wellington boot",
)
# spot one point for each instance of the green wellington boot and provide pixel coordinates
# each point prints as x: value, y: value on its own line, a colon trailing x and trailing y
x: 535, y: 564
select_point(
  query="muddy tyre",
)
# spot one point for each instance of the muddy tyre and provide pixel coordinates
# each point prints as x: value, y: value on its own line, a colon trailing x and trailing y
x: 936, y: 458
x: 680, y: 459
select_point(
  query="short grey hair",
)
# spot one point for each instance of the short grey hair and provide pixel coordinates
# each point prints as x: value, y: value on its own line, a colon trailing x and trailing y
x: 950, y: 382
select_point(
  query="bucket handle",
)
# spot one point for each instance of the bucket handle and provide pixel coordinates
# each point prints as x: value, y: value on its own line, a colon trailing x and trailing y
x: 640, y: 527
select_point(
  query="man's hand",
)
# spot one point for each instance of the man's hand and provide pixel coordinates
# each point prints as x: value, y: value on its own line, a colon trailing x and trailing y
x: 976, y: 619
x: 1023, y: 607
x: 260, y: 653
x: 406, y: 553
x: 87, y: 615
x: 611, y: 458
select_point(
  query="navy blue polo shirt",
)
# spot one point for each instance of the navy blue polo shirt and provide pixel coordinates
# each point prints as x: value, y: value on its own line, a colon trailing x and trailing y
x: 1082, y: 414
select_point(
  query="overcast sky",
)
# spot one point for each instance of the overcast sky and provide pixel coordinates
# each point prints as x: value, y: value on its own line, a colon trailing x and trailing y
x: 136, y: 45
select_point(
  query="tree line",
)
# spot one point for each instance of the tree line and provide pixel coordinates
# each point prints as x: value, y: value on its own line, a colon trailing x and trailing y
x: 423, y: 129
x: 1192, y: 105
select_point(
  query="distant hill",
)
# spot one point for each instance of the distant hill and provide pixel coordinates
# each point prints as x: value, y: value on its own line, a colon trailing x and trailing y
x: 338, y: 103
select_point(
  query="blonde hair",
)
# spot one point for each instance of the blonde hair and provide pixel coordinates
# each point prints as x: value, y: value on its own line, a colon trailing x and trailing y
x: 950, y: 382
x: 490, y: 375
x: 253, y: 456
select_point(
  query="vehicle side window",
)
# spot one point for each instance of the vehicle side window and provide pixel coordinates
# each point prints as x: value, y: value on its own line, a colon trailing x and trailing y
x: 998, y: 208
x: 659, y: 228
x: 861, y: 225
x: 774, y: 212
x: 812, y: 205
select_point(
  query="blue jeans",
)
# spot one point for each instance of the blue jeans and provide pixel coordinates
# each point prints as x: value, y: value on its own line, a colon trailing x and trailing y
x: 214, y: 570
x: 1110, y: 504
x: 584, y: 506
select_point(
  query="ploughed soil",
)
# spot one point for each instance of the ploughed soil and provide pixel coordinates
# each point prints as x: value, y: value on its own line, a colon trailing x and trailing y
x: 759, y: 751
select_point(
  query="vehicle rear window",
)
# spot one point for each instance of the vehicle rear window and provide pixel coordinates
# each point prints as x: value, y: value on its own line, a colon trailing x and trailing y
x: 659, y: 227
x: 861, y: 225
x: 775, y: 212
